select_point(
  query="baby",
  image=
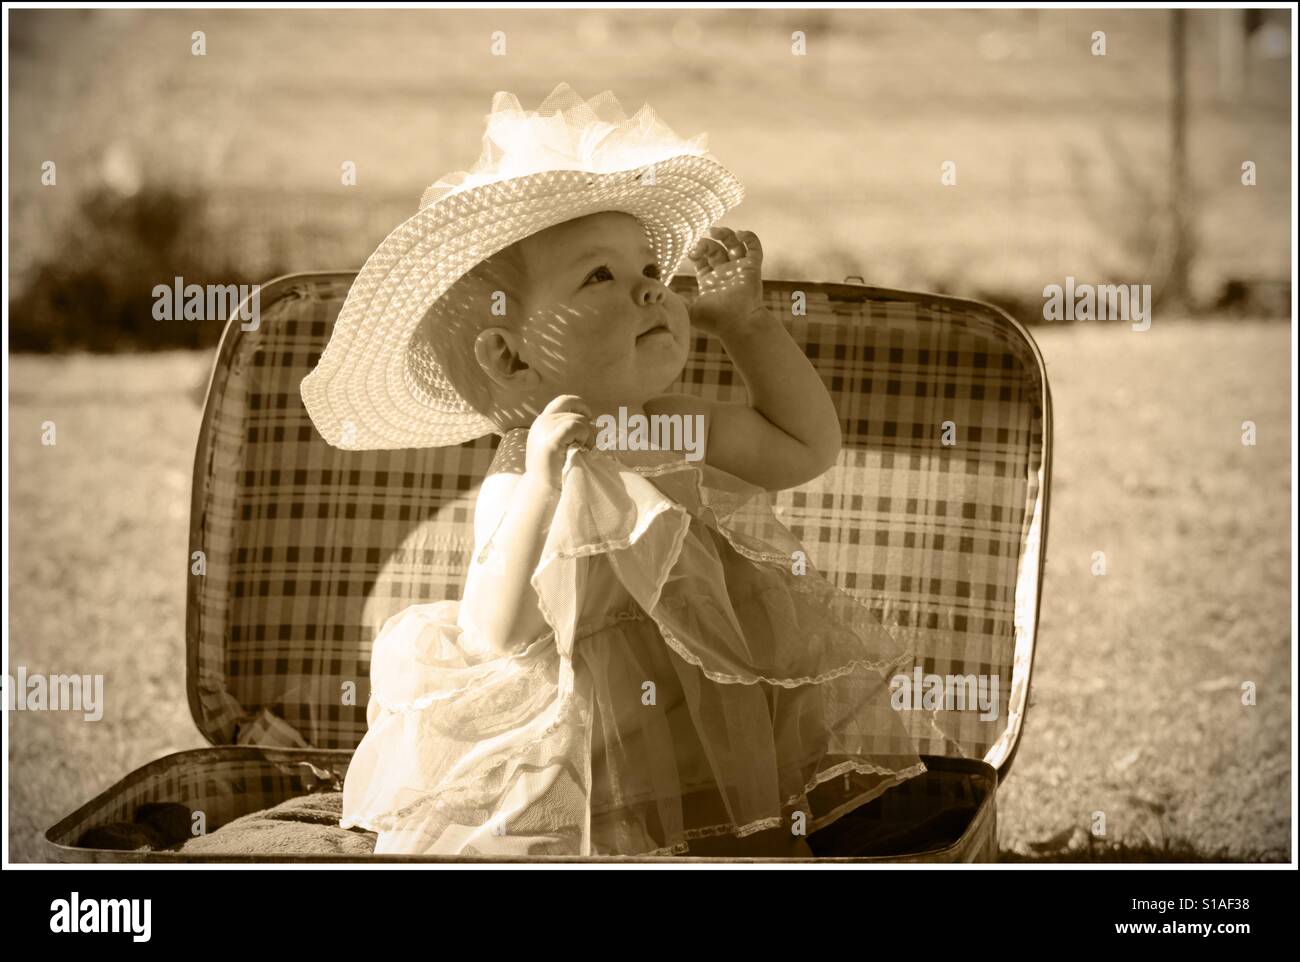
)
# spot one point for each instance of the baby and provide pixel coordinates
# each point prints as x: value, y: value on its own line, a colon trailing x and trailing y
x: 599, y: 330
x: 594, y: 328
x: 635, y: 667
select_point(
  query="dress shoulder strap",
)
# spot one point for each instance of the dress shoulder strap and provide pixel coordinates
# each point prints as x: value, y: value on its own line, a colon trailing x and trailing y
x: 511, y: 453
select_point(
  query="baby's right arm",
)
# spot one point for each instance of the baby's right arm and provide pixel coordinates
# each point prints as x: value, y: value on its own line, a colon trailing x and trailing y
x: 499, y: 606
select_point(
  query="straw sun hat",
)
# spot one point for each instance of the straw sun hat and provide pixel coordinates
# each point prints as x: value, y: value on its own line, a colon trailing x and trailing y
x: 378, y: 383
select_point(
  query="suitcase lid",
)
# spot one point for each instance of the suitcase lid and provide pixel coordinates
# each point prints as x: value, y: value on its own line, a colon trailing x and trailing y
x: 300, y: 551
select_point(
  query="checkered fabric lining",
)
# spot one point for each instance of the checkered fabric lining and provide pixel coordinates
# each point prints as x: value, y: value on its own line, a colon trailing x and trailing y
x: 309, y: 549
x: 222, y: 783
x: 940, y: 792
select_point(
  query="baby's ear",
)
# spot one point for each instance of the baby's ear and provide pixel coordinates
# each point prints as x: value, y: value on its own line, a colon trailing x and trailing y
x: 497, y: 352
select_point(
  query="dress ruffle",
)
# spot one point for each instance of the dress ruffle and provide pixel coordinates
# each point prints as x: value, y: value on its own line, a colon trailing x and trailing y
x: 692, y: 684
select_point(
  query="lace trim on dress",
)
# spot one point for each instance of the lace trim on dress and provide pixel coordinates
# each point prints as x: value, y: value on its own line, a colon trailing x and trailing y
x: 668, y: 467
x: 468, y: 782
x: 630, y: 612
x: 859, y: 800
x: 618, y: 544
x: 560, y: 718
x: 495, y: 666
x: 882, y: 667
x: 390, y: 821
x: 843, y: 768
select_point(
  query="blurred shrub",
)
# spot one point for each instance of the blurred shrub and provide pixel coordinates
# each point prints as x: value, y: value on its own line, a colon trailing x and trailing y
x: 96, y: 292
x: 1143, y: 232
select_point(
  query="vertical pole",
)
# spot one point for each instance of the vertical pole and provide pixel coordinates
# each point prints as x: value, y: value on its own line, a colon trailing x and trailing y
x: 1176, y: 283
x: 1231, y: 31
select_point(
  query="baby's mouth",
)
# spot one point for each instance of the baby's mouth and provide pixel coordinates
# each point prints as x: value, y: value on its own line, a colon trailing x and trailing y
x: 661, y: 327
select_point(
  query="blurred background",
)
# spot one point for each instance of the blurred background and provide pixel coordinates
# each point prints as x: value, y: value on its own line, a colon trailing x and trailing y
x: 1123, y: 168
x: 225, y: 168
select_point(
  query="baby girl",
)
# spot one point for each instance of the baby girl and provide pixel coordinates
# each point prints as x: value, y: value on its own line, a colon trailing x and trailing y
x: 637, y: 665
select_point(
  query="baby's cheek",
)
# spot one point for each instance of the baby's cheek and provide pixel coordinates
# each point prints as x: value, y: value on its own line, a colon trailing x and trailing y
x: 595, y: 345
x: 575, y: 361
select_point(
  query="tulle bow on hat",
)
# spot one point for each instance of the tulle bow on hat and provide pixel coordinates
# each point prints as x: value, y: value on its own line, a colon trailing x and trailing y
x: 566, y: 133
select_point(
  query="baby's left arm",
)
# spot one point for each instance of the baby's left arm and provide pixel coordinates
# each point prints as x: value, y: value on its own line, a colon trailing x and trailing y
x: 789, y: 432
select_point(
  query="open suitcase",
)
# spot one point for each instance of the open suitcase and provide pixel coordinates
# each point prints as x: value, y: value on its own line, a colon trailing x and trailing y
x: 306, y: 550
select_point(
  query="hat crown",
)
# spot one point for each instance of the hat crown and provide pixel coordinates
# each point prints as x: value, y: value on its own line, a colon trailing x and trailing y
x: 565, y: 133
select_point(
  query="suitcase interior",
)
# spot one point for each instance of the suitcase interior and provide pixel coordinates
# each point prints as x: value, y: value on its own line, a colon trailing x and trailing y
x: 308, y: 549
x: 946, y: 815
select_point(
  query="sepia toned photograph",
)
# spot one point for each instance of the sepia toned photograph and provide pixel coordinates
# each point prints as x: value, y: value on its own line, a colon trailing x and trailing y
x: 717, y: 436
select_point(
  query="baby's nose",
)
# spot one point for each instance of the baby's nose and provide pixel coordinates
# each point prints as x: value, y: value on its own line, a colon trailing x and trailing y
x: 650, y: 292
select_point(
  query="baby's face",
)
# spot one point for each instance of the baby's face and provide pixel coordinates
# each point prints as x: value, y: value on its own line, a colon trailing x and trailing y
x: 601, y: 323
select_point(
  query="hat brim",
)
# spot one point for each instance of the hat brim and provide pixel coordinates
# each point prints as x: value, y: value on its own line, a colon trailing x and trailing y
x: 361, y: 396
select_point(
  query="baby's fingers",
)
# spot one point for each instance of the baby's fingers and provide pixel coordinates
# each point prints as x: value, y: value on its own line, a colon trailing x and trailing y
x: 565, y: 403
x: 753, y: 246
x: 571, y: 429
x: 712, y: 251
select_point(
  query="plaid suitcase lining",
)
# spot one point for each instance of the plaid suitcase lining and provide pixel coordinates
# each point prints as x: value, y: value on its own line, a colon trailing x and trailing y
x: 222, y: 784
x: 310, y: 549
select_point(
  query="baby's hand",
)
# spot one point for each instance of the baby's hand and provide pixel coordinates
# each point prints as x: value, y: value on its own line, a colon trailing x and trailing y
x: 729, y: 270
x: 566, y: 420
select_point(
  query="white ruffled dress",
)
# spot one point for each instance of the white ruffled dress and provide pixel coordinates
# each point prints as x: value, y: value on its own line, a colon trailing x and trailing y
x: 692, y: 685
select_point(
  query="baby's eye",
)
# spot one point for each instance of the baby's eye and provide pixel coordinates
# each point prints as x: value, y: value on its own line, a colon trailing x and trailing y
x: 602, y: 267
x: 651, y: 270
